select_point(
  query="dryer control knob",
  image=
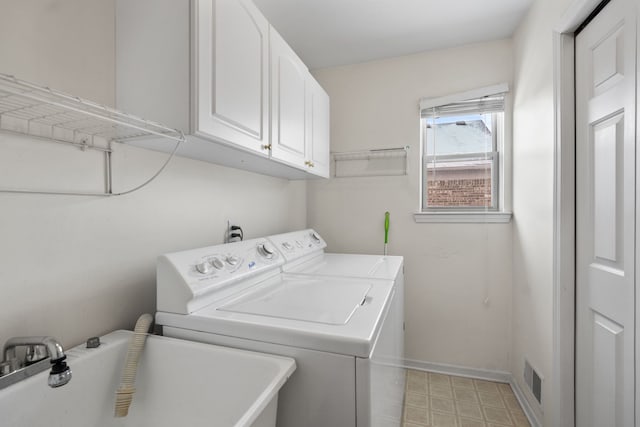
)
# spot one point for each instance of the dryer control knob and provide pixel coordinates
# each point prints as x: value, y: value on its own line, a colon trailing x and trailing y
x: 288, y: 246
x: 219, y: 265
x: 266, y: 250
x: 203, y: 267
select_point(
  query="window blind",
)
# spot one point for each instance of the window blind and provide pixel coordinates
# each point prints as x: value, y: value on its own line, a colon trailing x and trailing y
x: 485, y: 105
x: 485, y: 100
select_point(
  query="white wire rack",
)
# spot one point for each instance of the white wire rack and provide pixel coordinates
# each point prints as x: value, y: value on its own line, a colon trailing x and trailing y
x: 29, y: 109
x: 375, y: 162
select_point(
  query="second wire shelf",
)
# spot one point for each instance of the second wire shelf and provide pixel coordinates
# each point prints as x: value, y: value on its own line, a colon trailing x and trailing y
x: 374, y: 162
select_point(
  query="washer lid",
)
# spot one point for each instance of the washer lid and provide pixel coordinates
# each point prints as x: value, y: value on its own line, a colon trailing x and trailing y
x: 349, y: 265
x: 330, y: 303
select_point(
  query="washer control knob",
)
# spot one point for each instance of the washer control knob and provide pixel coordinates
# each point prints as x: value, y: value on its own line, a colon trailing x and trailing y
x: 288, y: 246
x: 232, y: 260
x: 203, y: 267
x: 266, y: 250
x: 219, y: 265
x: 316, y: 237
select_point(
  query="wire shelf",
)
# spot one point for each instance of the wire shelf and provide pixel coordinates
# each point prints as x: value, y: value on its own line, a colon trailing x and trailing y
x: 375, y: 162
x: 29, y: 109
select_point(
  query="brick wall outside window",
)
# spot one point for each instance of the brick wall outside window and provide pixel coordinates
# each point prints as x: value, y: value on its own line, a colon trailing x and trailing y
x: 455, y: 187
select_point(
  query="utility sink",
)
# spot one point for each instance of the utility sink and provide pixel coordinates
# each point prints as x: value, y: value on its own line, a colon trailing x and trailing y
x: 178, y: 383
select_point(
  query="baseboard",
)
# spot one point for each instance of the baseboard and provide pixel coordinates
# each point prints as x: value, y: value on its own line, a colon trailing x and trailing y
x: 481, y: 374
x: 461, y: 371
x: 524, y: 402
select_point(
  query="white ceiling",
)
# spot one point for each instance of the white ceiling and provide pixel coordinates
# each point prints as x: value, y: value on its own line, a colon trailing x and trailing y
x: 326, y: 33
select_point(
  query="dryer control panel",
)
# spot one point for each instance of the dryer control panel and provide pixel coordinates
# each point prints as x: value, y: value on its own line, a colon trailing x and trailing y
x: 298, y: 244
x: 192, y: 279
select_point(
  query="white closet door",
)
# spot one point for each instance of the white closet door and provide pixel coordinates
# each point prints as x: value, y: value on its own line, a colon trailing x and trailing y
x: 606, y: 235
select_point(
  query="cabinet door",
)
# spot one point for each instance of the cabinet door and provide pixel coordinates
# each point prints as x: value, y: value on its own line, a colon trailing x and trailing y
x: 231, y: 82
x: 319, y: 130
x: 288, y: 103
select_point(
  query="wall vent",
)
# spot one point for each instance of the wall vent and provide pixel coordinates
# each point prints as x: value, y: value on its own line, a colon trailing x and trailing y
x: 533, y: 381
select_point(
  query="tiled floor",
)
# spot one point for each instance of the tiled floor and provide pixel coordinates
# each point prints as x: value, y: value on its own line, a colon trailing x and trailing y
x: 438, y: 400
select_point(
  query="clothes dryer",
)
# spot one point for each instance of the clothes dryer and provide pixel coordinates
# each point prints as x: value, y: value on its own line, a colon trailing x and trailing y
x: 305, y: 256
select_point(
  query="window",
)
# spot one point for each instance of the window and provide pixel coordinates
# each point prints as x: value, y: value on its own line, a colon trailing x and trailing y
x: 462, y: 140
x: 461, y: 161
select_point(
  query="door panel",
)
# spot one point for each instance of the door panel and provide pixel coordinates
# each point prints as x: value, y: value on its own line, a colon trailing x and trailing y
x: 605, y: 210
x: 231, y: 85
x: 608, y: 384
x: 608, y: 61
x: 318, y: 140
x: 291, y: 105
x: 237, y: 88
x: 608, y: 141
x: 289, y: 95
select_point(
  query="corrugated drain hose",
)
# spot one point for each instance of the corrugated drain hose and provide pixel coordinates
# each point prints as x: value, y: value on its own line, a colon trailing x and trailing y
x: 124, y: 395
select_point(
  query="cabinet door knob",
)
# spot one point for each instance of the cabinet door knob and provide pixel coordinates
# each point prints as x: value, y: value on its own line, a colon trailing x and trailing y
x: 266, y: 147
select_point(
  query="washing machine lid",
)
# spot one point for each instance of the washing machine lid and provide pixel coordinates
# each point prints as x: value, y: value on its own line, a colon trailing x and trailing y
x: 349, y: 265
x: 332, y: 303
x: 356, y: 337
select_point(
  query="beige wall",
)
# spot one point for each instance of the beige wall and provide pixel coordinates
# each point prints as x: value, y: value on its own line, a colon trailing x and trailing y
x: 74, y: 267
x: 67, y: 45
x: 533, y: 180
x: 458, y: 276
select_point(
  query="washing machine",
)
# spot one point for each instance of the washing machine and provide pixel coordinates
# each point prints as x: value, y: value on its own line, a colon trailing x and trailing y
x: 388, y: 371
x: 337, y: 328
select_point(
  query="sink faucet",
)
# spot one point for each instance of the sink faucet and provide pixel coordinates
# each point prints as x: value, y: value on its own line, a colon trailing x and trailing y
x: 60, y: 373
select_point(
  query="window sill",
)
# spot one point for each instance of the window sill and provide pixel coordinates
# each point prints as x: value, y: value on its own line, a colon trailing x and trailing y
x: 463, y: 217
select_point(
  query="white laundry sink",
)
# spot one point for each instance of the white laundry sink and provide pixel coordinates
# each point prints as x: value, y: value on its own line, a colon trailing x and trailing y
x: 178, y: 383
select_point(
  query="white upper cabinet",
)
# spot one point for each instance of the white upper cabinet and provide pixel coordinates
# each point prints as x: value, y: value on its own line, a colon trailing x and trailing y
x: 299, y: 112
x: 232, y: 86
x: 288, y: 103
x: 318, y: 139
x: 217, y: 71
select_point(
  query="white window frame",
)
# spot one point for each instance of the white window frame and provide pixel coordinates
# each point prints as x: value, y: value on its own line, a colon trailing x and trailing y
x: 501, y: 173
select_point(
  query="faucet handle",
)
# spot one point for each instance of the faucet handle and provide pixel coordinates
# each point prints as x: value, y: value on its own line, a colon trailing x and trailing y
x: 5, y: 368
x: 9, y: 366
